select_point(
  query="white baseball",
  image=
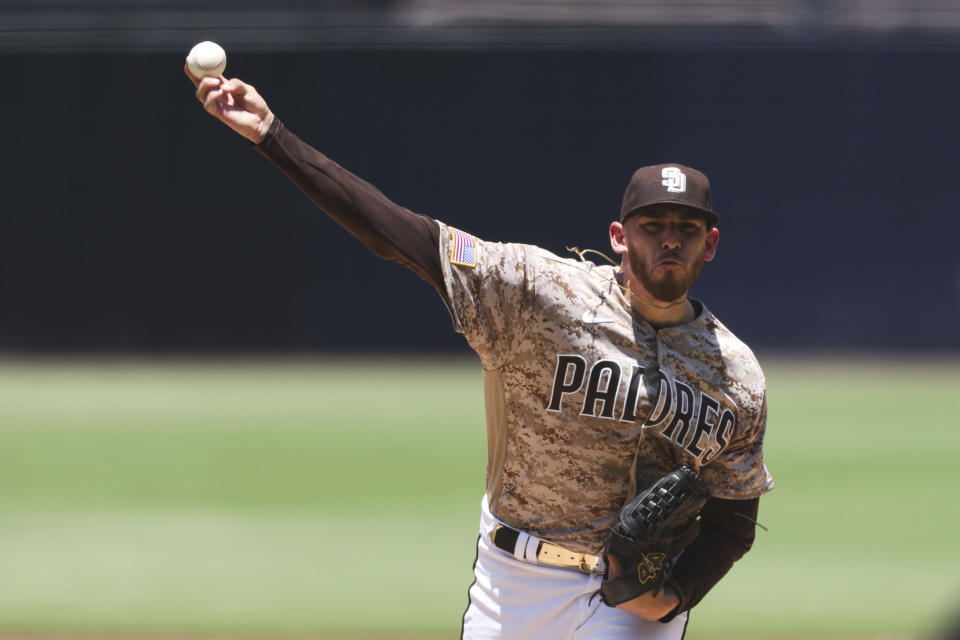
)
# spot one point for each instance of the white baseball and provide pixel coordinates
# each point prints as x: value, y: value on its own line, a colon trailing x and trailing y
x: 207, y: 59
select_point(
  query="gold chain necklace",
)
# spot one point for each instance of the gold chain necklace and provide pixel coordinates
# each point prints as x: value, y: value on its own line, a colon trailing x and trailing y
x: 630, y: 294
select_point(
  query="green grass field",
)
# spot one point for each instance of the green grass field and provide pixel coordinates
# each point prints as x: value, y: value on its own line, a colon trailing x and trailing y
x: 341, y: 497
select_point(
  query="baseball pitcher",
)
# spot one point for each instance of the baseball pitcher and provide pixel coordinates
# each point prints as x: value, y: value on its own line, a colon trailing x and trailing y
x: 625, y: 422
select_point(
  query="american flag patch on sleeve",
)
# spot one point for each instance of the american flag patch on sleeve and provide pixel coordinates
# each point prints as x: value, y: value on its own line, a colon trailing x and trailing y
x: 463, y: 249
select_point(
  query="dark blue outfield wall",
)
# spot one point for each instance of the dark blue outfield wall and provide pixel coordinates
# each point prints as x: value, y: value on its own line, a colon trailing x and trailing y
x: 132, y: 221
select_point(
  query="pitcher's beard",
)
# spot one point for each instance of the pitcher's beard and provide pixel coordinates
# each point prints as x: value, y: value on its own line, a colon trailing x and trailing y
x: 672, y: 285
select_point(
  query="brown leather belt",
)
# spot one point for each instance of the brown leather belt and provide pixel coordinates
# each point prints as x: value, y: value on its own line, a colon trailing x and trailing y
x: 505, y: 538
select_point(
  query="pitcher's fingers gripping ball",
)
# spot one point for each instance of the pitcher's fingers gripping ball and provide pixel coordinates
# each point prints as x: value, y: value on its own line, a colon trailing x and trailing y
x: 651, y: 531
x: 207, y: 60
x: 233, y: 102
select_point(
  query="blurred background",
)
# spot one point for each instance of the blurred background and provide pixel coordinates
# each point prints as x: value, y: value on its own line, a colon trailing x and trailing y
x: 216, y: 403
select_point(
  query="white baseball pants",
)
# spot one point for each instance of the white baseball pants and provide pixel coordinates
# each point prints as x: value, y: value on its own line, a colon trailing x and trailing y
x: 518, y: 600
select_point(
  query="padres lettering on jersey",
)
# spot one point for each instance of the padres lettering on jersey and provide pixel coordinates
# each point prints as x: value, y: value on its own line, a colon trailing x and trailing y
x: 584, y: 400
x: 678, y: 411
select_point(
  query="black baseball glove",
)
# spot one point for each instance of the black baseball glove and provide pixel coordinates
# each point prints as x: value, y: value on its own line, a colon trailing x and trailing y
x: 649, y: 533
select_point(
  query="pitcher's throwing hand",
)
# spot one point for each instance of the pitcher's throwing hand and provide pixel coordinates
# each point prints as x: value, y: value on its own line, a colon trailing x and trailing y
x: 235, y: 103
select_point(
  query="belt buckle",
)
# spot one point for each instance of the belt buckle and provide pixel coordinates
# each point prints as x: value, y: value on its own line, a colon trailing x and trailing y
x: 583, y: 565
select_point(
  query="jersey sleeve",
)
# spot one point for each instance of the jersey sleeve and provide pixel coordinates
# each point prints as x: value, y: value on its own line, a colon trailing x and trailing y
x: 488, y: 289
x: 739, y: 473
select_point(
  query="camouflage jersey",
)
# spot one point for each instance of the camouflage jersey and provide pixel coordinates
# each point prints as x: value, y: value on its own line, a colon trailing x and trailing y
x: 585, y: 400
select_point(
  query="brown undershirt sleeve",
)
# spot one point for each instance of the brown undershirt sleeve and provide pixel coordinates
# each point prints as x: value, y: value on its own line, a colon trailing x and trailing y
x: 727, y: 530
x: 387, y: 229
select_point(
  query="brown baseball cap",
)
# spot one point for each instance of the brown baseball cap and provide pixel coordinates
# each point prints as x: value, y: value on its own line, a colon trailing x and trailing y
x: 668, y: 184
